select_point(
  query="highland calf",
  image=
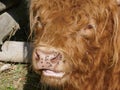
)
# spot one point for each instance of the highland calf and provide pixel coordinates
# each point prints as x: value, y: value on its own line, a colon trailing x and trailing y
x: 77, y: 43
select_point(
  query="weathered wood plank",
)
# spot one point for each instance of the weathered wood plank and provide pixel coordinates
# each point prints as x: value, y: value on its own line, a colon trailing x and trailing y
x: 13, y: 51
x: 8, y: 26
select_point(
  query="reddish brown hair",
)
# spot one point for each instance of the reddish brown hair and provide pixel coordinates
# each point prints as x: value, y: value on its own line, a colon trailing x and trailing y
x: 88, y: 33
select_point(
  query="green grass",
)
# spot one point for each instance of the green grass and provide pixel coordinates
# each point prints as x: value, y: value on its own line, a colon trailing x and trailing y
x: 19, y: 77
x: 12, y: 79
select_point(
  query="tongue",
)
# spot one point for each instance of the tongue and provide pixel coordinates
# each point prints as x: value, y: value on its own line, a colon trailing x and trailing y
x: 53, y: 74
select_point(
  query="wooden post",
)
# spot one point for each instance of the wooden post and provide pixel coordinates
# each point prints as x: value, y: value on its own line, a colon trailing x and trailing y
x: 8, y: 26
x: 14, y: 51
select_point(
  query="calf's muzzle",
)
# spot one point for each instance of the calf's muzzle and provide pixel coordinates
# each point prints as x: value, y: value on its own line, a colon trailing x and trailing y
x: 46, y: 57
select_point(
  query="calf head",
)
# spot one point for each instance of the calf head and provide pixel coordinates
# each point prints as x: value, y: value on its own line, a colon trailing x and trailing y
x: 73, y: 39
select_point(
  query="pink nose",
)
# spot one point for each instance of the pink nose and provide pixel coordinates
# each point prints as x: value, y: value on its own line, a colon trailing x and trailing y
x: 47, y: 58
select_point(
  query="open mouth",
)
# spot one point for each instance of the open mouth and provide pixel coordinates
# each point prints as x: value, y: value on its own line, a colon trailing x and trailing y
x: 53, y: 73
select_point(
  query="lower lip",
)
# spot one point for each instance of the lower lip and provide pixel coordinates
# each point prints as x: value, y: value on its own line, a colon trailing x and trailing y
x: 53, y: 74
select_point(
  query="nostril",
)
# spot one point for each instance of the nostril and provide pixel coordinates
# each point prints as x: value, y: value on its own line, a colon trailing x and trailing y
x: 37, y: 56
x: 53, y: 60
x: 57, y: 58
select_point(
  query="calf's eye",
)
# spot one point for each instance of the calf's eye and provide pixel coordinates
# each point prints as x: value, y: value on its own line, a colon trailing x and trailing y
x: 88, y: 31
x: 90, y: 26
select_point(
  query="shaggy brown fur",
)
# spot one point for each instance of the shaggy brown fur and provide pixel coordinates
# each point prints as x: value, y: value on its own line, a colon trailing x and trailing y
x: 87, y: 32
